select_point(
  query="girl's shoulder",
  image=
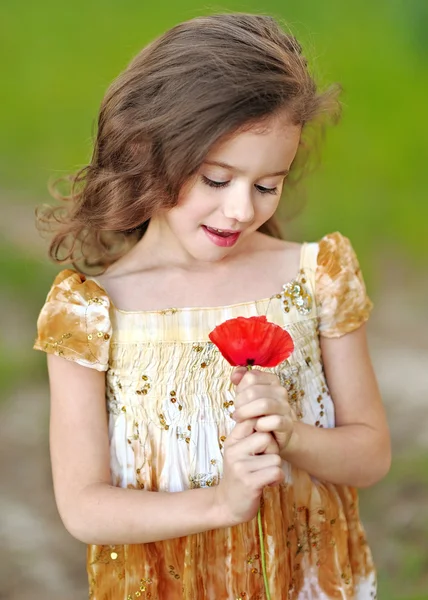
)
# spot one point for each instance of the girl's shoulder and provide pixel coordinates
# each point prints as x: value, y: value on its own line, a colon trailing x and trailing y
x: 331, y: 254
x: 75, y: 321
x: 331, y: 243
x: 335, y: 253
x: 331, y: 267
x: 77, y: 291
x: 341, y: 296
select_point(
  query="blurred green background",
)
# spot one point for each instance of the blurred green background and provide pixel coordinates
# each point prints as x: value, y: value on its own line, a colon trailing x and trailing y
x: 58, y: 59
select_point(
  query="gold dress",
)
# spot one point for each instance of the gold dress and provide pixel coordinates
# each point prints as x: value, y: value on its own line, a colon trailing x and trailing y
x: 169, y: 401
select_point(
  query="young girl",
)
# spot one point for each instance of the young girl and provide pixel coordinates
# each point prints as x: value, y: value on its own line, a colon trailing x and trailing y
x: 162, y: 453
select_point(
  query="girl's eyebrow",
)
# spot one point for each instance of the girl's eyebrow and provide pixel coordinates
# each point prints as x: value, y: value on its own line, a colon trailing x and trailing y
x: 226, y: 166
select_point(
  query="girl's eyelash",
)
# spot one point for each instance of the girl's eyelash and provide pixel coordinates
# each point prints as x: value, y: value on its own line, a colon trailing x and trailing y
x: 214, y: 184
x: 264, y: 190
x: 222, y: 184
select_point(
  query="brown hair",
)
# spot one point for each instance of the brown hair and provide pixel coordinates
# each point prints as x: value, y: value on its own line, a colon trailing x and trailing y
x: 202, y: 80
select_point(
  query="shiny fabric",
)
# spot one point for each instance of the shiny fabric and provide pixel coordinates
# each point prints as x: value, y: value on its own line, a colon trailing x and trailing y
x: 170, y: 400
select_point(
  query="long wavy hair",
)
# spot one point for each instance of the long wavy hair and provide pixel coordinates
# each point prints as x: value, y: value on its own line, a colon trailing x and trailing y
x: 202, y: 80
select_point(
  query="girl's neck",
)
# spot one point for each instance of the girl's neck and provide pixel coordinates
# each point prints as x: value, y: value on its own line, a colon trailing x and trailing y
x: 142, y: 282
x: 159, y: 249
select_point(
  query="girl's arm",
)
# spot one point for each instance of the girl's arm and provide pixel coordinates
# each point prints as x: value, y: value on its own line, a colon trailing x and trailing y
x: 95, y: 512
x: 357, y: 451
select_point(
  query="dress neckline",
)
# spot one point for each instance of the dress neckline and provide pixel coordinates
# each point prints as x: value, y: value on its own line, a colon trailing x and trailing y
x: 185, y: 309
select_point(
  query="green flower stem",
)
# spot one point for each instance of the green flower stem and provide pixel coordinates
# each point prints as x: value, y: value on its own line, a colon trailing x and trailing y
x: 263, y: 554
x: 262, y: 543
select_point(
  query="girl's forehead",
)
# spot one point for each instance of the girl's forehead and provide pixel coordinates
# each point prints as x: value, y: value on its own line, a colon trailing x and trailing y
x: 273, y: 146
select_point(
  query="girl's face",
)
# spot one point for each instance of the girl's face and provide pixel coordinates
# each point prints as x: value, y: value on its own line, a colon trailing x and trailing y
x: 236, y: 190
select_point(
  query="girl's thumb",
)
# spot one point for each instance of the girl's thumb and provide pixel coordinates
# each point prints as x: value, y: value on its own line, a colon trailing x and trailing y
x: 237, y: 375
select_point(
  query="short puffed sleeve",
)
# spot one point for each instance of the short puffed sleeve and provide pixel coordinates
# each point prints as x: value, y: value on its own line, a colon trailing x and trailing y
x: 341, y: 297
x: 74, y: 322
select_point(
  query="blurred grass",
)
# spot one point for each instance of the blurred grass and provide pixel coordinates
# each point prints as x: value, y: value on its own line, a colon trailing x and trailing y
x: 399, y: 537
x: 25, y: 282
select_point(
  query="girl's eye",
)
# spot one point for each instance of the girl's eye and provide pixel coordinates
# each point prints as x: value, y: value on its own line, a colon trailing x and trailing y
x: 264, y: 190
x: 214, y: 184
x: 222, y: 184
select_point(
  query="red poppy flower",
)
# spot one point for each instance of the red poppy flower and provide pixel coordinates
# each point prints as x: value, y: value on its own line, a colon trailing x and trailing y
x: 252, y: 341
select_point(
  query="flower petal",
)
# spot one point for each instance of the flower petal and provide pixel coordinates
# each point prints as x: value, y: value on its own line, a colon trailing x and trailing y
x: 252, y: 341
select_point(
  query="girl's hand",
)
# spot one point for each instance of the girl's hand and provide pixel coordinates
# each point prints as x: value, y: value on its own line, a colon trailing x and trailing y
x: 247, y: 470
x: 261, y: 399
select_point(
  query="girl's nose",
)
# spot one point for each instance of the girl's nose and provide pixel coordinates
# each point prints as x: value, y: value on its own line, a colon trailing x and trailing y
x: 239, y: 207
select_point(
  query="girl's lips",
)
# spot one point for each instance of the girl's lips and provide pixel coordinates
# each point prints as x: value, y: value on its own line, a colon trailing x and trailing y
x: 225, y: 239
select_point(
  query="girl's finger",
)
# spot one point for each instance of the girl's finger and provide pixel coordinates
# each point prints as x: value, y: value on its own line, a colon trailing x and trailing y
x: 274, y: 423
x: 267, y: 477
x: 237, y: 374
x: 255, y: 392
x: 256, y: 443
x: 273, y: 447
x: 262, y: 461
x: 258, y: 408
x: 241, y: 431
x: 254, y: 377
